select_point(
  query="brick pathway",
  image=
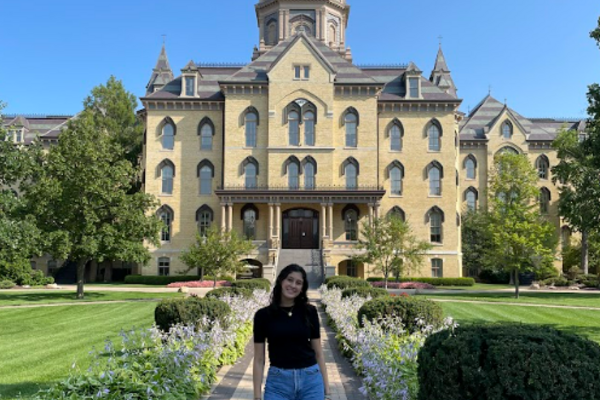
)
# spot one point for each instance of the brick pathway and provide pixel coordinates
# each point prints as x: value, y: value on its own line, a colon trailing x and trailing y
x: 236, y: 382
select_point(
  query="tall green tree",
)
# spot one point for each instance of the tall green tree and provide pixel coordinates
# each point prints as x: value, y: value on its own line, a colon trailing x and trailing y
x: 477, y: 242
x: 81, y: 196
x: 216, y: 253
x: 579, y: 189
x: 523, y: 239
x: 390, y: 246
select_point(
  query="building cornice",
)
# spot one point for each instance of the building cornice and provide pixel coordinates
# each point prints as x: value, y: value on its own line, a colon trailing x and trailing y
x: 183, y: 104
x: 418, y: 106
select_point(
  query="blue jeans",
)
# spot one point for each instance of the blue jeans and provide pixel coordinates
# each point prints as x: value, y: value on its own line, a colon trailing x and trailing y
x: 295, y: 384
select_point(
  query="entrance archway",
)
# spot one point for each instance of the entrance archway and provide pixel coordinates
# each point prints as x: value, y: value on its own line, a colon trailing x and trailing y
x: 300, y: 229
x: 351, y: 268
x: 254, y: 270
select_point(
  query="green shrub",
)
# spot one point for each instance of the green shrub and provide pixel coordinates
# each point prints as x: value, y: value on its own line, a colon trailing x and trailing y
x: 188, y: 311
x: 229, y: 291
x: 158, y: 280
x: 252, y: 284
x: 37, y: 278
x: 7, y: 284
x: 558, y: 281
x: 219, y: 278
x: 498, y: 362
x: 431, y: 281
x: 364, y: 292
x: 409, y: 309
x: 333, y: 278
x: 347, y: 282
x: 589, y: 280
x: 494, y: 276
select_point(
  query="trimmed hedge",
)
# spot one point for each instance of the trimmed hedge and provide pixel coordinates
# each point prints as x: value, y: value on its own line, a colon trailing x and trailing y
x: 188, y: 311
x: 364, y: 292
x: 252, y: 284
x: 431, y: 281
x: 407, y: 308
x: 7, y: 284
x: 347, y: 282
x: 229, y: 291
x: 498, y: 362
x: 158, y: 280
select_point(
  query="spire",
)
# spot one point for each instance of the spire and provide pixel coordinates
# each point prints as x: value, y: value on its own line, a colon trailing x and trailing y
x: 161, y: 74
x: 440, y: 76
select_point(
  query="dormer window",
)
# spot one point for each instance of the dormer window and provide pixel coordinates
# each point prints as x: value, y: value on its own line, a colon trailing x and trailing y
x: 507, y: 130
x: 301, y: 72
x: 190, y: 86
x: 413, y: 88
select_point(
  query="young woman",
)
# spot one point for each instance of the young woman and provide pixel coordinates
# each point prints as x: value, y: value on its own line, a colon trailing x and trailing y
x: 291, y: 327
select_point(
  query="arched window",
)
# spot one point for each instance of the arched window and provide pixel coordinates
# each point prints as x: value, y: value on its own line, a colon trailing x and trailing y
x: 206, y: 130
x: 350, y: 169
x: 168, y: 135
x: 167, y: 172
x: 350, y: 214
x: 435, y: 218
x: 471, y: 197
x: 166, y: 215
x: 271, y: 38
x: 249, y: 217
x: 309, y: 166
x: 251, y: 122
x: 395, y: 173
x: 435, y: 173
x: 206, y: 173
x: 507, y: 129
x: 434, y: 133
x: 542, y: 164
x: 437, y: 268
x: 250, y: 174
x: 397, y: 212
x: 565, y: 236
x: 309, y: 128
x: 332, y: 33
x: 544, y: 200
x: 351, y: 121
x: 164, y: 266
x: 294, y: 128
x: 508, y: 149
x: 292, y: 169
x: 396, y: 132
x: 471, y: 166
x: 204, y: 218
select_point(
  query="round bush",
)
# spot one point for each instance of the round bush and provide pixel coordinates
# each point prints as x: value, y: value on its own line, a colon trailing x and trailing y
x: 252, y: 284
x: 6, y: 284
x: 409, y: 309
x: 229, y: 291
x: 347, y: 282
x: 188, y: 311
x: 365, y: 292
x: 517, y: 362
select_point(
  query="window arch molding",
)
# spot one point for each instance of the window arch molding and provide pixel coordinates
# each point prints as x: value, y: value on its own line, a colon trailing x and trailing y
x: 349, y: 207
x: 291, y: 160
x: 508, y: 148
x: 246, y: 161
x: 434, y: 164
x: 352, y: 161
x: 163, y: 123
x: 395, y: 123
x: 165, y: 163
x: 205, y: 163
x: 301, y: 106
x: 204, y: 209
x: 472, y: 158
x: 436, y: 123
x: 398, y: 211
x: 249, y: 110
x: 432, y: 210
x: 247, y: 207
x: 471, y: 189
x: 309, y: 160
x: 206, y: 121
x: 507, y: 129
x: 394, y: 164
x: 350, y: 110
x: 542, y: 164
x: 165, y: 209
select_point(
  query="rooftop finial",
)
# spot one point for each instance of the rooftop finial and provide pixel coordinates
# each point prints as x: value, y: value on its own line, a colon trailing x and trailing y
x: 490, y: 90
x: 440, y: 38
x: 164, y: 36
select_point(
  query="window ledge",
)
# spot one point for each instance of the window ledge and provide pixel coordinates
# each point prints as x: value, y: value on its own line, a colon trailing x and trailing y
x: 434, y: 151
x: 165, y: 195
x: 395, y: 151
x: 436, y: 244
x: 435, y: 196
x: 396, y: 196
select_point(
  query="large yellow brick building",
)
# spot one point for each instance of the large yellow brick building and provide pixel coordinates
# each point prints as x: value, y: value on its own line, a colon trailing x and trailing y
x: 299, y: 147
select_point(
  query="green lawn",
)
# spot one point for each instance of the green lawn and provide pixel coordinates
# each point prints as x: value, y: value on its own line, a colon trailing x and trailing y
x: 15, y: 298
x: 39, y: 345
x: 584, y: 299
x: 581, y: 322
x: 479, y: 286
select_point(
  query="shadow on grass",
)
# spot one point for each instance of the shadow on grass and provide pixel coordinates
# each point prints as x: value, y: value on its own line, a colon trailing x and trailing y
x: 39, y: 297
x: 26, y: 389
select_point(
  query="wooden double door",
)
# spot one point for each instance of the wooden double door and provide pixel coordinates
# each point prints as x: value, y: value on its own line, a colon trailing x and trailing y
x: 300, y: 229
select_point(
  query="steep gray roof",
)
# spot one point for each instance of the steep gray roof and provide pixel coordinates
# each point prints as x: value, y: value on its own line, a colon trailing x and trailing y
x: 46, y: 126
x: 161, y: 74
x: 440, y: 75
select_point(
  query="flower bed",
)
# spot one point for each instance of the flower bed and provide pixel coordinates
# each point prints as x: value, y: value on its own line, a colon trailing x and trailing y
x: 403, y: 285
x: 198, y: 284
x: 383, y: 352
x: 151, y: 364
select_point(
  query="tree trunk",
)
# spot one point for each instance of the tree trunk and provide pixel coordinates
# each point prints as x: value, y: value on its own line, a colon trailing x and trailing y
x: 516, y: 284
x: 215, y: 281
x: 201, y: 274
x: 585, y: 250
x: 385, y: 280
x: 80, y: 277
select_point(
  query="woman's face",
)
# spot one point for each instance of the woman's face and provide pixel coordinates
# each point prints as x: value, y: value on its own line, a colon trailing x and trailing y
x: 291, y: 287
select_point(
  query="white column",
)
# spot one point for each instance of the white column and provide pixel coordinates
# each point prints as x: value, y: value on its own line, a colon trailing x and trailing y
x: 281, y: 23
x: 223, y: 216
x: 230, y: 217
x: 278, y: 227
x: 331, y: 221
x: 323, y: 221
x: 270, y: 221
x: 371, y: 206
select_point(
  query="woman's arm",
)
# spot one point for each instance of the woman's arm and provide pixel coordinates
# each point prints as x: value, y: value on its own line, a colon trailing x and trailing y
x: 258, y: 369
x: 316, y: 345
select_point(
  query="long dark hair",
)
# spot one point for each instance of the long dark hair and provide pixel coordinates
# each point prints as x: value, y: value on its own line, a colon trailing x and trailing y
x: 301, y: 301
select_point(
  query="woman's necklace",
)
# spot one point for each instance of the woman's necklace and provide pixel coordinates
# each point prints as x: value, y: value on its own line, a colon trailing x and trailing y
x: 290, y: 312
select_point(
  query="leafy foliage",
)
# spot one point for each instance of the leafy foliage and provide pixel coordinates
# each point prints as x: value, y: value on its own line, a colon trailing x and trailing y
x: 508, y: 362
x: 365, y: 292
x: 390, y: 247
x: 346, y: 282
x: 432, y: 281
x: 523, y: 239
x: 6, y: 284
x: 410, y: 310
x: 217, y: 253
x: 228, y: 291
x: 478, y: 242
x: 252, y: 284
x: 189, y: 311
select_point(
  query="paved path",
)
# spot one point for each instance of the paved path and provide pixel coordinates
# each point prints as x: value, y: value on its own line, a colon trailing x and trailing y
x: 236, y: 382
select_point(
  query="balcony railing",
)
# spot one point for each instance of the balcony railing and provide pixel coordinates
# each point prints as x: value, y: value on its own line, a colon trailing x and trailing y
x: 316, y: 188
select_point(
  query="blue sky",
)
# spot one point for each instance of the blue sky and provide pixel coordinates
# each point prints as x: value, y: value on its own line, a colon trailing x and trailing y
x: 535, y: 54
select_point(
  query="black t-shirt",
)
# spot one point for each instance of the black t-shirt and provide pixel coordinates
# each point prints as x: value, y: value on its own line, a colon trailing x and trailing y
x: 288, y: 337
